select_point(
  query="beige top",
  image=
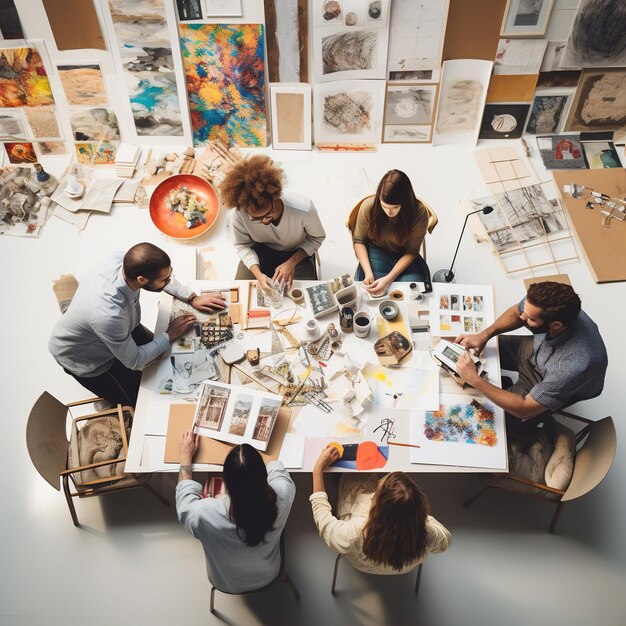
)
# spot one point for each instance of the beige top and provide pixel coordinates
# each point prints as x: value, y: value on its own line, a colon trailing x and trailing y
x: 386, y: 240
x: 345, y: 534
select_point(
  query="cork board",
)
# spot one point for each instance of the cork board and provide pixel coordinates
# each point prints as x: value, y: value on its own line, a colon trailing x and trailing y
x: 473, y: 29
x: 512, y: 87
x: 604, y: 248
x: 74, y: 24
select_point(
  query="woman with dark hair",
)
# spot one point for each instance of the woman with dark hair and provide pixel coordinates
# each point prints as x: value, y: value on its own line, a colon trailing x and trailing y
x: 388, y: 229
x: 383, y: 526
x: 240, y: 531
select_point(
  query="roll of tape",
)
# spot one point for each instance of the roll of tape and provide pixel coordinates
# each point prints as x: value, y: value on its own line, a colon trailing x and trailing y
x: 297, y: 295
x: 313, y: 330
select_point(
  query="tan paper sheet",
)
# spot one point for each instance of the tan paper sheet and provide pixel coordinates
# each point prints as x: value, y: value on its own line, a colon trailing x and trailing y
x: 290, y: 114
x: 74, y: 24
x: 210, y: 450
x: 604, y: 248
x: 512, y: 87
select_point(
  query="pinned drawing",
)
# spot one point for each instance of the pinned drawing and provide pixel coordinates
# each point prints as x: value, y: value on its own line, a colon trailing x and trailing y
x: 409, y: 111
x: 600, y: 101
x: 52, y: 148
x: 146, y: 56
x: 349, y: 111
x: 561, y: 152
x: 291, y: 116
x: 519, y: 56
x: 225, y: 77
x: 597, y: 38
x: 23, y: 78
x: 416, y: 37
x: 461, y: 101
x: 83, y: 84
x: 503, y: 121
x: 546, y: 114
x: 94, y: 124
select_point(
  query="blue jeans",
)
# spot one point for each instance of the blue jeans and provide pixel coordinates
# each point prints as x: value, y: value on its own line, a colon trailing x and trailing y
x: 382, y: 263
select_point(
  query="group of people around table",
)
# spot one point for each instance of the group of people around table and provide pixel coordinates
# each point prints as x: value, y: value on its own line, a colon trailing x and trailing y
x: 382, y: 525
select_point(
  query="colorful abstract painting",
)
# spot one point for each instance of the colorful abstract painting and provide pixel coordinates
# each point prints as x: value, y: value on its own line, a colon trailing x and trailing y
x: 146, y: 55
x: 471, y: 423
x: 23, y: 79
x: 19, y: 153
x: 225, y: 76
x: 96, y: 153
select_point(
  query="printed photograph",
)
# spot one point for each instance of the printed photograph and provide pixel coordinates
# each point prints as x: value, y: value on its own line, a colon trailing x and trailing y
x: 468, y: 324
x: 212, y: 406
x: 444, y: 302
x: 241, y: 415
x: 478, y: 304
x: 455, y: 302
x: 268, y: 412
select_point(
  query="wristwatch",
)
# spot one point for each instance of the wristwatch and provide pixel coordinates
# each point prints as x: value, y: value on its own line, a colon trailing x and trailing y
x: 192, y: 296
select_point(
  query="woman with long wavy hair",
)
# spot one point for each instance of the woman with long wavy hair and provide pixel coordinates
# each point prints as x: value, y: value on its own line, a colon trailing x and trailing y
x: 382, y: 526
x: 388, y: 229
x: 240, y: 531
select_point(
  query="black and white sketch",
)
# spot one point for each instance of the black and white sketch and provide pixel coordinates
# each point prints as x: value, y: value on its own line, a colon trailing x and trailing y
x: 349, y: 50
x: 519, y: 56
x: 546, y: 114
x: 520, y: 216
x: 189, y: 10
x: 409, y: 110
x: 598, y: 36
x: 553, y: 56
x: 503, y: 121
x: 411, y: 75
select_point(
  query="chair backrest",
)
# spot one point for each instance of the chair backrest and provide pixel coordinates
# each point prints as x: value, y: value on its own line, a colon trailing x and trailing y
x: 593, y: 460
x: 46, y: 438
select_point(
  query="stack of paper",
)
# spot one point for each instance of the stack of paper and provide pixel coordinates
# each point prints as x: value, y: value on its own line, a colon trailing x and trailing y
x: 126, y: 160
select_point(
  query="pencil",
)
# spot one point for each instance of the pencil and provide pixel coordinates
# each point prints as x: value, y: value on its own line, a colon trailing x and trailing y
x: 405, y: 445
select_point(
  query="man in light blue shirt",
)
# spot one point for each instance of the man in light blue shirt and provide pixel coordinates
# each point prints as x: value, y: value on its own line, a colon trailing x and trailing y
x: 100, y: 341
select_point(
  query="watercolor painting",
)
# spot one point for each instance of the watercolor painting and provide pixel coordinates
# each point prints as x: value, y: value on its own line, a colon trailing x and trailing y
x: 600, y: 101
x: 546, y: 113
x: 23, y: 78
x: 146, y: 56
x: 96, y: 153
x: 83, y: 84
x: 241, y: 415
x: 268, y: 412
x: 97, y: 124
x: 601, y: 155
x: 597, y: 37
x: 23, y: 152
x: 471, y: 423
x: 225, y: 77
x: 416, y: 36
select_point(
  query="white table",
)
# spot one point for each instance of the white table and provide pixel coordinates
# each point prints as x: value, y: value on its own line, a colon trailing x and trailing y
x: 147, y: 443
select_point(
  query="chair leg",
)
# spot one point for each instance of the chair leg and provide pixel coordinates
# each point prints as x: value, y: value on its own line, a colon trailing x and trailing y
x: 555, y: 518
x: 418, y: 577
x: 213, y: 600
x: 332, y: 589
x: 156, y: 494
x: 70, y: 501
x: 293, y: 588
x: 475, y: 497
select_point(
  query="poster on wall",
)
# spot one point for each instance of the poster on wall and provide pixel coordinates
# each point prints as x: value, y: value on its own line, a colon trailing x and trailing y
x: 224, y: 67
x: 146, y: 56
x: 23, y: 78
x: 461, y: 101
x: 416, y: 38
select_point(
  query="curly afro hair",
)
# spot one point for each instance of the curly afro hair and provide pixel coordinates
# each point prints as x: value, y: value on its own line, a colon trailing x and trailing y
x: 252, y: 184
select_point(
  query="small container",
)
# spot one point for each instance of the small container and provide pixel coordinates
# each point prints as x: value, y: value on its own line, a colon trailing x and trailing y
x: 362, y: 324
x: 415, y: 294
x: 312, y: 330
x: 346, y: 319
x: 388, y: 309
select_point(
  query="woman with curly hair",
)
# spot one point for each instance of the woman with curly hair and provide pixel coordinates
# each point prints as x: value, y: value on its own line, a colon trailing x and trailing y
x: 276, y: 232
x: 388, y: 229
x: 240, y: 531
x: 383, y: 526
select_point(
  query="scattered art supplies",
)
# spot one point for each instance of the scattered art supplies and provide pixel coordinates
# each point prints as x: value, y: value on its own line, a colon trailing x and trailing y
x: 236, y: 415
x: 126, y: 160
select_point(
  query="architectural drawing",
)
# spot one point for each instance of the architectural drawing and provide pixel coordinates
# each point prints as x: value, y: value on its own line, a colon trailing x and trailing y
x: 416, y: 36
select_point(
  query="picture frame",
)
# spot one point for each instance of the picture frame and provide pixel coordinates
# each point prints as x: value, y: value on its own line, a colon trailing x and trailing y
x: 290, y: 106
x: 409, y: 112
x: 521, y: 19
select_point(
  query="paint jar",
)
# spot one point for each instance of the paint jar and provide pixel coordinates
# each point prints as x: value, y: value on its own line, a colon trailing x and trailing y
x: 388, y: 309
x: 312, y: 330
x: 362, y: 324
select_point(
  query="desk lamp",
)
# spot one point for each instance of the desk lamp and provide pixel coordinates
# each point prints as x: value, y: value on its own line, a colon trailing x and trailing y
x: 447, y: 276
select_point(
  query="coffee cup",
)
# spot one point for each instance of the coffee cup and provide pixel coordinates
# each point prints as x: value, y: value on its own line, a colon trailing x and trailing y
x: 362, y: 324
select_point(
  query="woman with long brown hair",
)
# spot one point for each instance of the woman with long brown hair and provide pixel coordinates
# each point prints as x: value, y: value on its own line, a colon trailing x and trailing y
x: 388, y: 229
x: 382, y: 526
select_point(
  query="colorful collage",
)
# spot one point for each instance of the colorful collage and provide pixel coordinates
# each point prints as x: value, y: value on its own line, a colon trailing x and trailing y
x: 225, y: 75
x: 471, y: 423
x: 461, y: 313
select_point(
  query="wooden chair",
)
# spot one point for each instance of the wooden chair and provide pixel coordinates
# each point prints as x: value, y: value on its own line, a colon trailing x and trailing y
x: 417, y: 577
x: 55, y: 457
x: 280, y: 578
x: 596, y: 443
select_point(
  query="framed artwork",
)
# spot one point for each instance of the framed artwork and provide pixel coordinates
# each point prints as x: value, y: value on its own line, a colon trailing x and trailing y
x: 291, y: 116
x: 595, y: 107
x: 601, y: 155
x: 546, y: 114
x: 561, y: 152
x: 409, y: 112
x: 526, y: 18
x: 503, y: 121
x: 188, y: 10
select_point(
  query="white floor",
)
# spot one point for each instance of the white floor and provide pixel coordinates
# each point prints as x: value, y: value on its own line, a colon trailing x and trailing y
x: 131, y: 563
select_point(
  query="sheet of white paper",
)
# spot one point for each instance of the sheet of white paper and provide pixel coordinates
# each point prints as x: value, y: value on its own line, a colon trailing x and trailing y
x: 292, y: 451
x: 78, y: 219
x: 153, y: 454
x: 313, y: 422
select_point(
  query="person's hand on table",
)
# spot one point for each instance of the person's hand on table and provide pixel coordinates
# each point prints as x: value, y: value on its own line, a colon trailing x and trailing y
x: 285, y: 272
x: 475, y: 342
x: 187, y: 446
x: 180, y: 326
x: 467, y: 368
x: 379, y: 286
x: 209, y: 302
x: 368, y: 280
x: 327, y: 457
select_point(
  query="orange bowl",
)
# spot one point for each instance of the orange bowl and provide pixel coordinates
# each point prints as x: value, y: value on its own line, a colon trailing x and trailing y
x: 173, y: 223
